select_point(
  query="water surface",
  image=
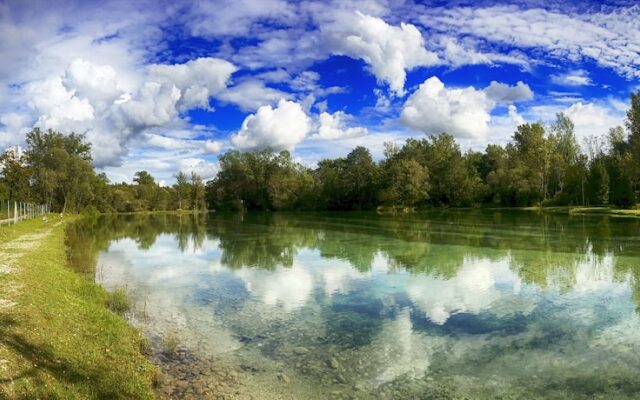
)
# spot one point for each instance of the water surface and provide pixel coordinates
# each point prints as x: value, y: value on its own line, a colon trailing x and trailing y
x: 455, y: 304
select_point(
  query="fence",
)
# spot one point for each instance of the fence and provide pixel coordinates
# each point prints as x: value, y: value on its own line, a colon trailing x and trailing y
x: 13, y: 211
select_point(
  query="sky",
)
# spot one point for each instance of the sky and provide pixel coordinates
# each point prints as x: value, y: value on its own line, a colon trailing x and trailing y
x: 168, y: 86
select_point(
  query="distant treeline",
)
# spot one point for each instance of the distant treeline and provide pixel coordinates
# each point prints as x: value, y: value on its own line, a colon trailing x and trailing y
x: 57, y: 170
x: 539, y: 166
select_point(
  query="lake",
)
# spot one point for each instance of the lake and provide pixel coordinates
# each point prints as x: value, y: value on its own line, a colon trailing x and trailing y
x: 475, y: 304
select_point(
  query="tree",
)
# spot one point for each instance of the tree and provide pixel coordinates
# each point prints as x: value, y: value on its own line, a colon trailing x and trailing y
x: 182, y: 189
x: 599, y: 183
x: 361, y: 178
x: 198, y: 194
x: 565, y: 149
x: 15, y: 176
x: 533, y: 162
x: 406, y: 183
x: 61, y: 168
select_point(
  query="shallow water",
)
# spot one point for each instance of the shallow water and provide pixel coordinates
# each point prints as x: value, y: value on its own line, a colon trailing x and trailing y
x: 456, y: 304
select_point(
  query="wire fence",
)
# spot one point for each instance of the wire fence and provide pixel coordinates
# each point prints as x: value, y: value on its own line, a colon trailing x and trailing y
x: 13, y: 211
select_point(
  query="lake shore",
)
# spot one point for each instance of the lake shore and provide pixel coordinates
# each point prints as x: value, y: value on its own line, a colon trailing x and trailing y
x: 615, y: 212
x: 58, y: 339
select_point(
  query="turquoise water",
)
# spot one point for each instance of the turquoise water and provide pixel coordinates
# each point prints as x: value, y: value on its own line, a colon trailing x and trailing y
x: 456, y: 304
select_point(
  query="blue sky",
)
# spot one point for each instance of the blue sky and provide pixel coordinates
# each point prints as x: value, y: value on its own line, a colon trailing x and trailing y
x: 168, y: 86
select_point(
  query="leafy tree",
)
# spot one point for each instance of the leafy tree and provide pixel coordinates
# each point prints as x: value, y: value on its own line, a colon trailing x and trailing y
x: 61, y: 168
x: 406, y: 183
x: 15, y: 176
x: 182, y: 189
x: 198, y: 194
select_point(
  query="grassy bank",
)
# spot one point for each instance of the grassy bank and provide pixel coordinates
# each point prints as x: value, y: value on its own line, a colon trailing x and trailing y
x: 587, y: 210
x: 58, y: 339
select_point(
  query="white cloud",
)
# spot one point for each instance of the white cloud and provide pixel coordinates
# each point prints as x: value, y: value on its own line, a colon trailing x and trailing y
x: 589, y: 118
x: 593, y: 119
x: 235, y: 17
x: 462, y: 51
x: 97, y: 83
x: 197, y: 80
x: 332, y: 126
x: 477, y: 286
x: 502, y: 93
x: 434, y: 109
x: 280, y: 128
x: 89, y: 98
x: 288, y: 287
x: 202, y: 167
x: 609, y: 36
x: 389, y: 50
x: 578, y: 77
x: 58, y: 107
x: 212, y: 147
x: 515, y: 117
x: 250, y: 95
x: 154, y: 105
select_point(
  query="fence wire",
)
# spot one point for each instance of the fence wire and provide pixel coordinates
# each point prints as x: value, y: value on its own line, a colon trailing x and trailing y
x: 12, y: 211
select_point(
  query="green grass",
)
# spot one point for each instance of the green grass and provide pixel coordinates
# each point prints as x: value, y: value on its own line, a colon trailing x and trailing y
x: 584, y: 210
x: 59, y: 340
x: 606, y: 211
x: 118, y: 300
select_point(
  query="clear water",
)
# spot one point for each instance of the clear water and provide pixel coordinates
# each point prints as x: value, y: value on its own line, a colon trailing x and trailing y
x: 442, y: 305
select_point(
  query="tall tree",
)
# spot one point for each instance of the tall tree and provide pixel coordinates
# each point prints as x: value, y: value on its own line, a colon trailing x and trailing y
x: 61, y: 168
x: 182, y: 189
x: 198, y: 194
x: 15, y: 176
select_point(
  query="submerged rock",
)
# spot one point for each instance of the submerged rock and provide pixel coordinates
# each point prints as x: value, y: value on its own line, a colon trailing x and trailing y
x: 333, y: 363
x: 284, y: 378
x: 300, y: 350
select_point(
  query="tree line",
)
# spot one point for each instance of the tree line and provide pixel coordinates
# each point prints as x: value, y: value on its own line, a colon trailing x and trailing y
x: 57, y: 170
x: 539, y: 166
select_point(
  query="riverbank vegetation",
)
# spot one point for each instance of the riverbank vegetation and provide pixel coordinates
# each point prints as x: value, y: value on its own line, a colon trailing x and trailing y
x: 57, y: 170
x: 541, y: 166
x: 58, y: 339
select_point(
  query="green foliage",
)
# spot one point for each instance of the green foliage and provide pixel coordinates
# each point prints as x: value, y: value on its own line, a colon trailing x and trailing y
x: 62, y: 342
x: 538, y: 167
x: 118, y: 300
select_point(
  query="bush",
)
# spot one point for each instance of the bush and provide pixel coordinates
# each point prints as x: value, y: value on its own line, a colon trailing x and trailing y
x: 118, y: 300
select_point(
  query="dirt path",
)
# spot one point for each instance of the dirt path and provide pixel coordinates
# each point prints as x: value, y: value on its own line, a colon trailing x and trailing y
x: 10, y: 253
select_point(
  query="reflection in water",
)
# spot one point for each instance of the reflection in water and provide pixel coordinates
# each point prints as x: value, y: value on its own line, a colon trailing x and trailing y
x: 436, y: 305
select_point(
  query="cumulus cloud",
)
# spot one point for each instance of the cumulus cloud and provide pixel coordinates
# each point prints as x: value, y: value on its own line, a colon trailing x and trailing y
x: 96, y: 83
x: 212, y: 147
x: 593, y: 119
x: 89, y: 98
x: 462, y: 112
x: 389, y: 50
x: 434, y: 109
x: 578, y: 77
x: 58, y: 107
x: 207, y: 170
x: 333, y: 126
x: 589, y: 118
x: 197, y: 80
x: 477, y: 286
x: 502, y: 93
x: 250, y: 95
x: 280, y: 128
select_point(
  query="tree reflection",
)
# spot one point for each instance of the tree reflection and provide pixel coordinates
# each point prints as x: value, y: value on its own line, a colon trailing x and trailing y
x: 543, y: 249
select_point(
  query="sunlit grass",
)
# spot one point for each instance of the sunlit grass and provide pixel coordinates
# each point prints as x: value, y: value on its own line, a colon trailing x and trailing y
x: 118, y: 300
x: 60, y: 341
